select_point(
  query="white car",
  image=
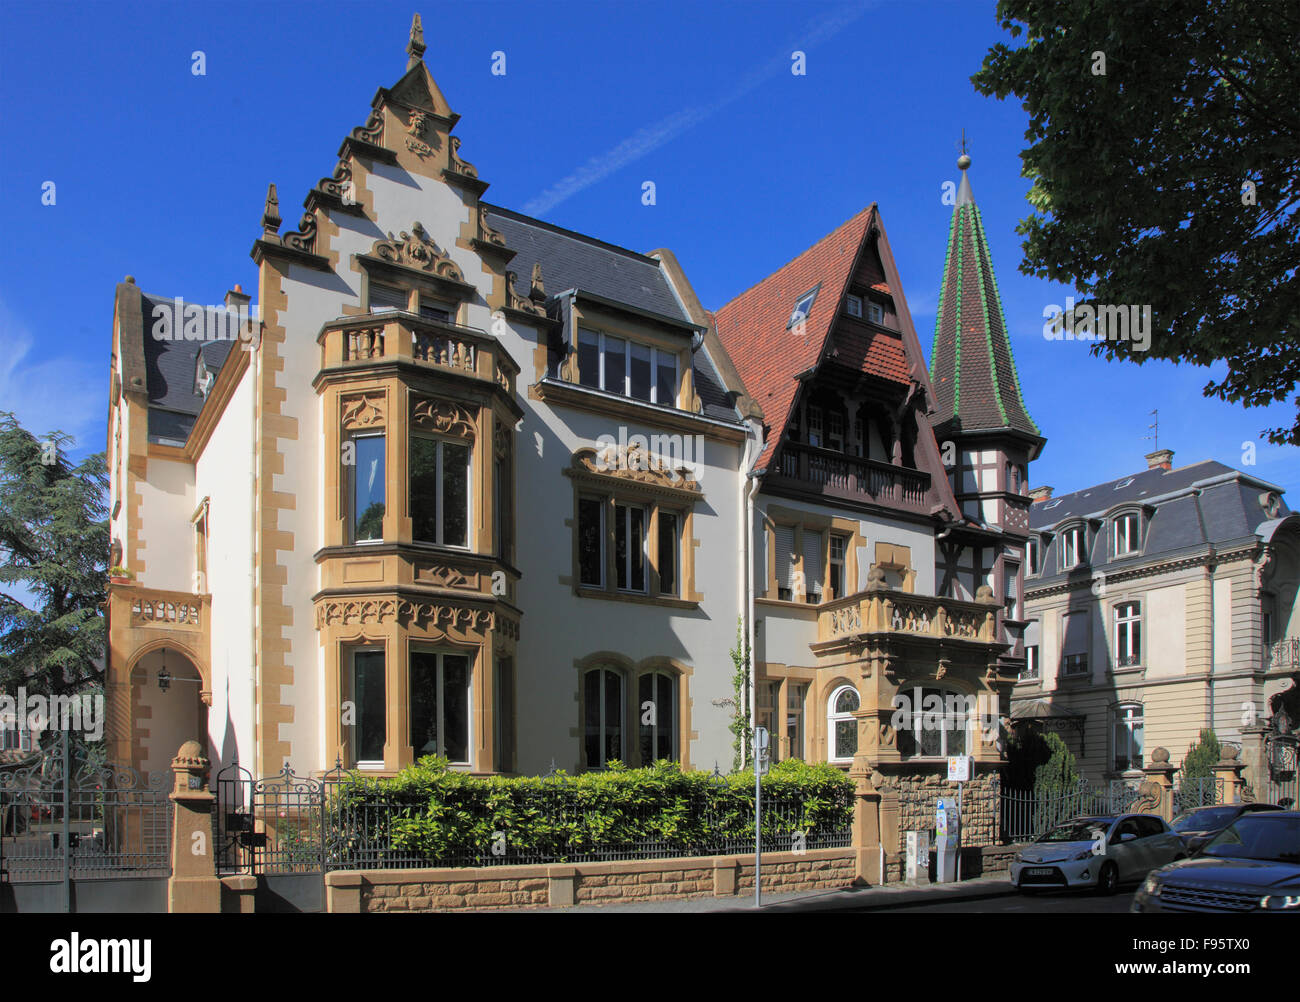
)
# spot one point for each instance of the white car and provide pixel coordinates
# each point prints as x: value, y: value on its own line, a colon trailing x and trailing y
x: 1100, y: 852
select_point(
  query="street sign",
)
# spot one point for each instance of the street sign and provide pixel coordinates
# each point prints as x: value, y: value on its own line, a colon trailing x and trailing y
x: 763, y: 739
x: 959, y: 768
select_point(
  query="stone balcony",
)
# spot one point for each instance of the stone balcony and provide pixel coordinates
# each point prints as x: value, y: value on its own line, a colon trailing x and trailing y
x: 396, y: 337
x: 885, y: 611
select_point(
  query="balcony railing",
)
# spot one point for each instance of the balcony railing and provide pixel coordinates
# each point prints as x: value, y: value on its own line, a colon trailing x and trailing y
x: 1284, y: 654
x: 404, y: 337
x: 851, y: 477
x: 888, y: 611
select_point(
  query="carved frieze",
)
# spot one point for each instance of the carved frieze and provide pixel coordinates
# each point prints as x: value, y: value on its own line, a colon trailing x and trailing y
x: 417, y: 250
x: 435, y: 619
x: 444, y: 417
x: 457, y: 164
x: 521, y: 303
x: 365, y: 410
x: 636, y: 465
x: 447, y: 577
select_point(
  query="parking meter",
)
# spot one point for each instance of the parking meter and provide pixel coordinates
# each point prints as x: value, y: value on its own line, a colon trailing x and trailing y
x: 947, y: 840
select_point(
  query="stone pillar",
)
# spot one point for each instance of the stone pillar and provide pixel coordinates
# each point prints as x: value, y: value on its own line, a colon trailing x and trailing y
x: 1254, y: 761
x: 193, y: 886
x: 1160, y: 774
x: 1227, y: 777
x: 866, y: 829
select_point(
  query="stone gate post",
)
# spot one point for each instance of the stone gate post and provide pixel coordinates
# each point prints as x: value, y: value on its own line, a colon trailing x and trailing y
x: 193, y: 886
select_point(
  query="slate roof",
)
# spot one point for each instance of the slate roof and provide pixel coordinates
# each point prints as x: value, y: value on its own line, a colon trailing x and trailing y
x: 755, y: 326
x: 170, y: 368
x: 1227, y: 510
x: 971, y: 365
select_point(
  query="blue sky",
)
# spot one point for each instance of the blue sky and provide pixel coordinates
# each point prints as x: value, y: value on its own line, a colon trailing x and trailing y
x: 161, y: 174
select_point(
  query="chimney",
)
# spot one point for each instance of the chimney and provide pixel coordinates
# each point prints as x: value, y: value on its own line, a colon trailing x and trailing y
x: 1162, y: 458
x: 1040, y: 494
x: 237, y: 297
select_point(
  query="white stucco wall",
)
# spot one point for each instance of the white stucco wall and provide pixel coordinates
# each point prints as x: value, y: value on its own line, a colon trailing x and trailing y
x: 167, y: 502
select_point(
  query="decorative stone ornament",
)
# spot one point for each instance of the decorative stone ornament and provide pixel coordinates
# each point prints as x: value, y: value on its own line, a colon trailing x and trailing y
x: 417, y: 250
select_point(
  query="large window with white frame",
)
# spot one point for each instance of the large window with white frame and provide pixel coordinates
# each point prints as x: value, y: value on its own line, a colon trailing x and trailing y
x: 628, y: 368
x: 603, y: 716
x: 365, y: 708
x: 648, y: 540
x: 439, y: 486
x: 1030, y: 672
x: 440, y: 702
x: 1127, y: 737
x: 841, y: 725
x: 1074, y: 542
x: 939, y: 724
x: 1128, y: 634
x: 1126, y: 534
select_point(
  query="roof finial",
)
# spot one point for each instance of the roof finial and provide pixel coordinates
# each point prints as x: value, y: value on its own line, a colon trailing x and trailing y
x: 271, y: 214
x: 415, y: 47
x: 963, y: 161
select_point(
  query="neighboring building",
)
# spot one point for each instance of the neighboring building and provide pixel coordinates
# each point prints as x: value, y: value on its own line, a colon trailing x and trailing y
x: 1160, y: 603
x: 481, y: 486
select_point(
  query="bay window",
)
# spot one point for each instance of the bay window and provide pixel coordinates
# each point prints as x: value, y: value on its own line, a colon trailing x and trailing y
x: 439, y: 485
x: 440, y: 722
x: 940, y: 722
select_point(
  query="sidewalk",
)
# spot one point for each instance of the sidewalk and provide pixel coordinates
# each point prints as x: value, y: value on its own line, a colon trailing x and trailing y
x: 873, y: 898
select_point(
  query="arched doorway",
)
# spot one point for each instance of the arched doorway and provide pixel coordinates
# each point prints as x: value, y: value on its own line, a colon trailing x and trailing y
x: 167, y: 708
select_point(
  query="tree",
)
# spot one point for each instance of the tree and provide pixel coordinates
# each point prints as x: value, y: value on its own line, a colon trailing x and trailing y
x: 1164, y: 151
x: 1060, y: 773
x: 1201, y: 757
x: 1026, y: 751
x: 54, y: 544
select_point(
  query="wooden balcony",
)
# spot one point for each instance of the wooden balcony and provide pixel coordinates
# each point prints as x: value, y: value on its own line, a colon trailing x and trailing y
x: 404, y: 337
x: 897, y: 612
x: 823, y: 471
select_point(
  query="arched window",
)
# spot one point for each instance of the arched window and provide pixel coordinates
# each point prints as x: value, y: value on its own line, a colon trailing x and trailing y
x: 936, y: 723
x: 603, y: 717
x: 842, y: 726
x: 657, y: 716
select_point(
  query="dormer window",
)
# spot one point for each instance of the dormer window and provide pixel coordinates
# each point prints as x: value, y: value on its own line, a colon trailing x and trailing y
x: 627, y: 368
x: 1127, y: 534
x: 1073, y: 547
x: 876, y: 313
x: 802, y: 307
x: 853, y: 306
x: 1032, y: 556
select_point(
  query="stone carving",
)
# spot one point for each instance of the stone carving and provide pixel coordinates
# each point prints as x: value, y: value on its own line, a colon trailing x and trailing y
x: 271, y: 213
x: 635, y: 465
x: 537, y: 290
x: 501, y: 437
x: 458, y: 165
x: 1149, y: 797
x: 443, y: 416
x: 521, y: 303
x: 373, y: 130
x: 485, y: 232
x: 436, y: 619
x: 363, y: 344
x: 339, y: 183
x: 448, y: 577
x: 415, y: 124
x: 1285, y: 706
x: 846, y: 620
x: 305, y: 237
x: 910, y: 619
x: 942, y: 670
x: 417, y: 250
x: 363, y: 411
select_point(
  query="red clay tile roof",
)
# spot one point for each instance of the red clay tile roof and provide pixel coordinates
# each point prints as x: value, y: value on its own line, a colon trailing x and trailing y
x: 768, y: 354
x: 875, y: 354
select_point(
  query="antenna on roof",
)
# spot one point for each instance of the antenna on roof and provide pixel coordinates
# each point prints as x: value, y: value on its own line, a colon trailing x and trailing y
x: 1155, y: 431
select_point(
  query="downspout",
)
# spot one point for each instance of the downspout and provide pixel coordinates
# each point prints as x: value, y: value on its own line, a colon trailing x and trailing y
x: 749, y: 489
x: 254, y: 471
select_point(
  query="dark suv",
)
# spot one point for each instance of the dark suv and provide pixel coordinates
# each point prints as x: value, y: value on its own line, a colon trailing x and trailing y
x: 1200, y: 824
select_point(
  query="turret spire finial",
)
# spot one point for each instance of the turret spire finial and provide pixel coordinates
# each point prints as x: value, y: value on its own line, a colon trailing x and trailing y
x: 415, y: 47
x: 963, y: 161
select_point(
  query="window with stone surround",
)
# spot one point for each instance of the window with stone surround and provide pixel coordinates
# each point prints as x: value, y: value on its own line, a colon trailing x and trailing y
x: 841, y: 725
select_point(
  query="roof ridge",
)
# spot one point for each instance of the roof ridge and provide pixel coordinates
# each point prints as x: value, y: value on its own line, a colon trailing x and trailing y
x: 584, y: 237
x: 807, y: 250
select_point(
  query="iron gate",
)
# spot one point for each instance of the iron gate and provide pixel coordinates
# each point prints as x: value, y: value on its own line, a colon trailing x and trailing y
x: 276, y: 830
x: 70, y: 818
x: 1281, y: 785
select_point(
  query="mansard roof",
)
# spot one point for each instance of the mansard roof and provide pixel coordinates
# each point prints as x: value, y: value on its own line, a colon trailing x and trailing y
x: 971, y: 365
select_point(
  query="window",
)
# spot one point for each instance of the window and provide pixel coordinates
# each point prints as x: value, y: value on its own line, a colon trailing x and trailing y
x: 387, y: 297
x: 668, y: 551
x: 1073, y: 551
x: 591, y: 542
x: 815, y: 426
x: 1031, y: 664
x: 629, y: 547
x: 784, y: 543
x: 367, y: 475
x: 876, y: 313
x: 1074, y: 659
x: 836, y: 579
x: 842, y: 727
x: 366, y: 693
x: 1128, y: 633
x: 627, y: 368
x: 657, y: 711
x: 1126, y: 534
x: 603, y: 712
x: 505, y: 512
x: 431, y: 311
x: 802, y: 307
x: 795, y: 695
x: 939, y: 724
x: 440, y: 705
x: 1032, y: 555
x: 1011, y: 590
x: 853, y: 306
x: 1128, y: 737
x: 835, y: 431
x: 505, y: 714
x: 439, y: 491
x: 812, y: 566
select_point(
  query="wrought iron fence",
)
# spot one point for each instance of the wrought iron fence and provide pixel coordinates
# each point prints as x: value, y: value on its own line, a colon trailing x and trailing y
x: 1201, y: 791
x: 1027, y: 814
x: 66, y: 813
x: 299, y: 824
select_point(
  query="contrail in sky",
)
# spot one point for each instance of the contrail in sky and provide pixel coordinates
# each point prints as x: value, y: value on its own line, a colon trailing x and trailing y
x: 653, y: 136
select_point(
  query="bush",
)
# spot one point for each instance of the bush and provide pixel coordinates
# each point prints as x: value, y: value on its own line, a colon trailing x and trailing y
x: 1201, y: 757
x: 437, y: 813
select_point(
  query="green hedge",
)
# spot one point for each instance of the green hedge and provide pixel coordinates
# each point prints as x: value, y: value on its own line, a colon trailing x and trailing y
x: 437, y: 813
